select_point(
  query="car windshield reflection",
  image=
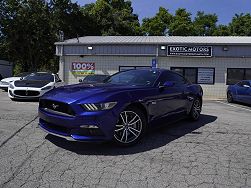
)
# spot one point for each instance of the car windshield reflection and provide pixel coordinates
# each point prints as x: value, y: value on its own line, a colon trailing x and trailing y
x: 134, y: 78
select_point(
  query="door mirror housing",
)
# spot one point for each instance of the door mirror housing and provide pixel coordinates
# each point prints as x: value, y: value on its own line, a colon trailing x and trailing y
x: 59, y: 81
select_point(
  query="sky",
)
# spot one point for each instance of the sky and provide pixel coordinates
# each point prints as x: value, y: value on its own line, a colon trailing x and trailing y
x: 224, y: 9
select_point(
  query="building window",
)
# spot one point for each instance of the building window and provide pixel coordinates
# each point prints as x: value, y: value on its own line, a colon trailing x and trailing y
x: 234, y: 75
x: 197, y: 75
x: 122, y: 68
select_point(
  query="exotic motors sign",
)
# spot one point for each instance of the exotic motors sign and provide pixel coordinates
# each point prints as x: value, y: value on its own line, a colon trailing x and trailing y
x: 83, y: 68
x: 195, y: 51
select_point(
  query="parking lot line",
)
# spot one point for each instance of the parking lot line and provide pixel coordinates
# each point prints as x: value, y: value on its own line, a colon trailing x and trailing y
x: 234, y: 106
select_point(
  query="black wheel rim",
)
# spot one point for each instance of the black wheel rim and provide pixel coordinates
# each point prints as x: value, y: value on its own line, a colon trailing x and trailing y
x: 229, y: 97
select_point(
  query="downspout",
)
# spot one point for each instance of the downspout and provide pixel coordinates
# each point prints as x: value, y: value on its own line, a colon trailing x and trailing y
x: 157, y: 55
x: 62, y: 63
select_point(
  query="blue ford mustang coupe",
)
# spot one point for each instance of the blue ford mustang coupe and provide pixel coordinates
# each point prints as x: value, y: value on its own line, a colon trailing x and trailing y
x: 121, y: 108
x: 240, y: 92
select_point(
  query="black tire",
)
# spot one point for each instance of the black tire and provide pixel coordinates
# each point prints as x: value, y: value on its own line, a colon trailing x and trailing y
x: 196, y: 109
x: 131, y: 127
x: 230, y: 97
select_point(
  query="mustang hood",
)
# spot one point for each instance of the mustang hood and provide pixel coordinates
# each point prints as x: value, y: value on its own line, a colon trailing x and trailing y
x: 31, y: 83
x: 77, y: 92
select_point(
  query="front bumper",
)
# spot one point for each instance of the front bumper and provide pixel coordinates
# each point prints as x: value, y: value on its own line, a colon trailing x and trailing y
x: 23, y: 93
x: 71, y: 128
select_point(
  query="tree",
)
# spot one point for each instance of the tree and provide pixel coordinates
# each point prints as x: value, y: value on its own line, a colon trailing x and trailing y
x: 68, y: 17
x: 222, y: 30
x: 26, y: 28
x: 241, y: 25
x: 157, y: 25
x: 113, y: 17
x: 205, y: 24
x: 182, y: 24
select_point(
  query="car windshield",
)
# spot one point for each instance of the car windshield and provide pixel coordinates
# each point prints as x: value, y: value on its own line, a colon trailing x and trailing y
x: 134, y: 77
x: 22, y: 74
x: 95, y: 78
x: 40, y: 77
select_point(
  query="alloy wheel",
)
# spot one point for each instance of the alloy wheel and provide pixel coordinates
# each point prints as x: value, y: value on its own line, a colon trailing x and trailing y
x: 128, y: 128
x: 196, y: 109
x: 229, y: 97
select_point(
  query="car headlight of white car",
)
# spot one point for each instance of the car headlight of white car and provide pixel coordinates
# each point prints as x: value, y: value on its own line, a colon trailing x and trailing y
x: 4, y: 83
x: 47, y: 88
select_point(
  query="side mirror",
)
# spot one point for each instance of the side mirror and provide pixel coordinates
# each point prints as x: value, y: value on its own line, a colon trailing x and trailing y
x: 80, y: 80
x: 59, y: 81
x: 21, y: 78
x: 168, y: 84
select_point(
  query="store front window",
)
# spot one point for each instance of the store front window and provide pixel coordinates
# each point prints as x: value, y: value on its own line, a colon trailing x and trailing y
x: 197, y: 75
x: 234, y: 75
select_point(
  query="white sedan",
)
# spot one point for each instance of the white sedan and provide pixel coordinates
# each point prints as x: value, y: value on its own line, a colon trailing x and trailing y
x: 4, y: 83
x: 34, y: 85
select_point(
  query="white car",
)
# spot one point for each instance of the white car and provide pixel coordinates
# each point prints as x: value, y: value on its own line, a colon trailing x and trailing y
x: 34, y: 85
x: 4, y: 83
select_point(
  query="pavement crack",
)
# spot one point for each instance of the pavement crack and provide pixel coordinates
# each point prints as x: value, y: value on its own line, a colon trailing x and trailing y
x: 21, y: 165
x: 16, y: 132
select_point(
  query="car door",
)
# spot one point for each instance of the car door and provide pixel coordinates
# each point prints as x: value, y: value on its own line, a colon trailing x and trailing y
x: 243, y: 91
x: 169, y: 100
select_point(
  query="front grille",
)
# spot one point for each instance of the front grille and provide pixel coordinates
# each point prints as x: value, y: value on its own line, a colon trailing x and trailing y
x: 72, y: 131
x: 56, y: 106
x: 26, y: 93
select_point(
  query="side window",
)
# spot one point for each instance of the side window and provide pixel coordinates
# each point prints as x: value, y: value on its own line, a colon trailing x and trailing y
x: 245, y: 83
x: 170, y: 76
x: 240, y: 84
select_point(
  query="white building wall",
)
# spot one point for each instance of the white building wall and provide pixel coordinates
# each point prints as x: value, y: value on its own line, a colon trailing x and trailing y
x: 103, y: 64
x: 110, y: 65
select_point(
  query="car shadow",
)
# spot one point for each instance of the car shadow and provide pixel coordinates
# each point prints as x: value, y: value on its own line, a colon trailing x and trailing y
x: 25, y: 100
x: 153, y: 139
x: 242, y: 104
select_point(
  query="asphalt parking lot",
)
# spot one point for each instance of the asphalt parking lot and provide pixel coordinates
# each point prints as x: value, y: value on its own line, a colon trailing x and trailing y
x: 213, y: 152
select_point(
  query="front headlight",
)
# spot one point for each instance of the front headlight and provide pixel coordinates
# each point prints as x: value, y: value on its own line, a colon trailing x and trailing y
x: 99, y: 106
x: 46, y: 88
x: 4, y: 83
x: 11, y: 86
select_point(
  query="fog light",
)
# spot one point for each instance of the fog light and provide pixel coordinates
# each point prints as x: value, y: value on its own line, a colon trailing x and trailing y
x: 89, y: 126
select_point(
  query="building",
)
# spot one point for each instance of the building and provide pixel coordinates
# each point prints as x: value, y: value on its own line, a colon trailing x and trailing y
x: 213, y: 62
